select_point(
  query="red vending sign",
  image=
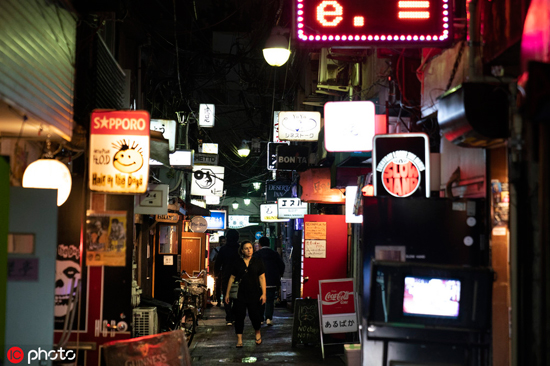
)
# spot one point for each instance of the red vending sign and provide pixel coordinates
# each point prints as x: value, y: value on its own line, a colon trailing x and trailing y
x: 337, y: 298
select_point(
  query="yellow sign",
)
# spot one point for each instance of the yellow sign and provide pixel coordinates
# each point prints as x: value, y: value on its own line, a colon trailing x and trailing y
x: 119, y: 151
x: 315, y: 230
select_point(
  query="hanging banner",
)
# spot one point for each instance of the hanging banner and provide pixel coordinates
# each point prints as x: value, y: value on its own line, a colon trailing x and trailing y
x: 119, y: 151
x: 207, y: 180
x: 401, y: 165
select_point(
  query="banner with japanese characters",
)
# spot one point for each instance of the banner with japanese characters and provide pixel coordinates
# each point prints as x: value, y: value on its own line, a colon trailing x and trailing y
x: 119, y: 151
x: 337, y: 306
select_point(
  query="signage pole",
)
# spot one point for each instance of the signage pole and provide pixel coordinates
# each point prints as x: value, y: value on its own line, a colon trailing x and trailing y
x: 319, y: 305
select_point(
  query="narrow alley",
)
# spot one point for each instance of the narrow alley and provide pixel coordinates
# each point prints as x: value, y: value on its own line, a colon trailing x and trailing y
x: 214, y: 344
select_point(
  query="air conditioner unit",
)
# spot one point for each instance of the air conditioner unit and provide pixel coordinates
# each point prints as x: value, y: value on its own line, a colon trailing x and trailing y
x: 145, y: 321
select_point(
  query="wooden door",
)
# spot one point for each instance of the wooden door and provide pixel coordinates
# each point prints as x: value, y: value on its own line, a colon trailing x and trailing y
x: 193, y: 252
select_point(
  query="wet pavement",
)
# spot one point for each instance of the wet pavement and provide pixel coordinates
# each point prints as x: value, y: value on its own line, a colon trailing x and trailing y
x: 214, y: 343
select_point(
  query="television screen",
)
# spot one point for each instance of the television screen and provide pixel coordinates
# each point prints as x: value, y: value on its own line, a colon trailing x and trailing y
x: 431, y: 297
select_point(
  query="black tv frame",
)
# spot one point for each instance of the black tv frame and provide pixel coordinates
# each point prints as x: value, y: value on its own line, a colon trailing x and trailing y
x: 475, y: 298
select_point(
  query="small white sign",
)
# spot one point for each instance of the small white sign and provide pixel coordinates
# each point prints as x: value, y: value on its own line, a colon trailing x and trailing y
x: 341, y: 323
x: 291, y: 208
x: 181, y: 158
x: 239, y: 221
x: 207, y: 180
x: 299, y: 126
x: 168, y: 260
x: 152, y: 202
x: 276, y: 126
x: 168, y: 130
x: 207, y: 113
x: 315, y: 248
x: 268, y: 213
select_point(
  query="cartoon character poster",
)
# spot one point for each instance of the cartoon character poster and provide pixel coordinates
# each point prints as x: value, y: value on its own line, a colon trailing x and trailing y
x: 119, y: 151
x: 68, y: 277
x: 106, y: 238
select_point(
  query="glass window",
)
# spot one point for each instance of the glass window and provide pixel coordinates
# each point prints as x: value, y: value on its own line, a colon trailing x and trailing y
x: 168, y: 239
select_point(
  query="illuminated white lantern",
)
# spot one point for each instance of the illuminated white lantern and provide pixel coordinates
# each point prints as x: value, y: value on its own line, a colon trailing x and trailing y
x: 49, y: 173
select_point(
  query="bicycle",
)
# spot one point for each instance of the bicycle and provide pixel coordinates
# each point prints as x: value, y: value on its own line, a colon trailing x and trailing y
x: 188, y: 306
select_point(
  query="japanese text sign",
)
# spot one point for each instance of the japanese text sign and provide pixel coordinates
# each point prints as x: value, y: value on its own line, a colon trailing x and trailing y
x: 337, y: 301
x: 349, y: 23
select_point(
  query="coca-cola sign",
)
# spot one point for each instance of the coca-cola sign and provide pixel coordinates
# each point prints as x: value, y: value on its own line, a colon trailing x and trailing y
x: 337, y: 296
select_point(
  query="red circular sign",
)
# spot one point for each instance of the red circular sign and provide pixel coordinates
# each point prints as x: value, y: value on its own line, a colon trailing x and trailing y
x: 401, y: 179
x: 15, y: 355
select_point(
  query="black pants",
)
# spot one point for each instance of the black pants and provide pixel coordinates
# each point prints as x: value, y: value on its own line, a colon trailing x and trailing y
x: 229, y: 317
x: 217, y: 289
x: 254, y: 314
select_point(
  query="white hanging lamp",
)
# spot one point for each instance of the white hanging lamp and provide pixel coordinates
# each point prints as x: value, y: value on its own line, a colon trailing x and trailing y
x: 49, y: 173
x: 277, y: 47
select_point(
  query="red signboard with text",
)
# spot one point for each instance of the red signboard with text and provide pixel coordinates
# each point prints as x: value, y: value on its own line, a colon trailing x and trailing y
x: 337, y: 302
x: 337, y: 296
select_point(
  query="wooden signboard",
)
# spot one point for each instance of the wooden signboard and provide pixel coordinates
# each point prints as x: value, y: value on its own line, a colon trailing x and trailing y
x: 305, y: 328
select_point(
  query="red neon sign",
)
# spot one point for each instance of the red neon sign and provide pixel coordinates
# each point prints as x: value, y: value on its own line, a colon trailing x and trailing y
x: 392, y: 22
x: 400, y: 180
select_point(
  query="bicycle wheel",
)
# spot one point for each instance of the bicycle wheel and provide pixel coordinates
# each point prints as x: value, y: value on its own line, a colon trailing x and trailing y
x: 189, y: 326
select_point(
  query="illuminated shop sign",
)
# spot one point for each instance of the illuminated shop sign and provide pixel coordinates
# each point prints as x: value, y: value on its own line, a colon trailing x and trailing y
x: 292, y: 157
x: 349, y: 126
x: 268, y: 213
x: 402, y: 163
x: 217, y: 220
x: 119, y: 151
x: 374, y: 23
x: 299, y: 126
x: 207, y: 180
x: 207, y: 113
x: 291, y: 208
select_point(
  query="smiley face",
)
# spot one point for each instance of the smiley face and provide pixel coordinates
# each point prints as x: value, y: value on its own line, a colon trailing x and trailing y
x: 127, y: 159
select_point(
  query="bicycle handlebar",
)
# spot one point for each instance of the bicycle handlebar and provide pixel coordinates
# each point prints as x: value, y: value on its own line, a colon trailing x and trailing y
x: 194, y: 277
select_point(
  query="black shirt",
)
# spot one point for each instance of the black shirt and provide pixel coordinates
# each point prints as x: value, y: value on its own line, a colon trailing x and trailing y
x: 250, y: 289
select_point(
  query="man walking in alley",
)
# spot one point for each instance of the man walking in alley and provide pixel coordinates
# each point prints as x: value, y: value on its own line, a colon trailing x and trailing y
x: 217, y: 296
x: 274, y: 269
x: 228, y: 255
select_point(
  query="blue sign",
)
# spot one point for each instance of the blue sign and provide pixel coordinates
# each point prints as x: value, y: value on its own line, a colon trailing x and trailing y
x: 217, y: 220
x: 258, y: 235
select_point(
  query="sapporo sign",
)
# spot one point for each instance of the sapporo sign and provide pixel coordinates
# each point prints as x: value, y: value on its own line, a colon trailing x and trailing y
x: 401, y: 165
x: 119, y: 151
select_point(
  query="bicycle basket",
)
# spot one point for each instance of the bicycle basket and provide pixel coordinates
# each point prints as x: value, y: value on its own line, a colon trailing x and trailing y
x: 195, y: 289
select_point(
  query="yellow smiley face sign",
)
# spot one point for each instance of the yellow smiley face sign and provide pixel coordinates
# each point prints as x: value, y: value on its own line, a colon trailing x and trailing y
x: 127, y: 159
x: 119, y: 151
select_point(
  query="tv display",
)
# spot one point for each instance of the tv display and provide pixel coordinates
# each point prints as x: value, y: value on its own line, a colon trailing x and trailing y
x: 431, y: 297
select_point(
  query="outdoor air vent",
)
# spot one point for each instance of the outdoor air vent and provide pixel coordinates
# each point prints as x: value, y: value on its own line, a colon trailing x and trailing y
x: 475, y: 115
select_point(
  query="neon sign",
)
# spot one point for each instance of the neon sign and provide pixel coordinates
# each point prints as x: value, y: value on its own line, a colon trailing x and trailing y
x: 386, y: 23
x: 401, y: 165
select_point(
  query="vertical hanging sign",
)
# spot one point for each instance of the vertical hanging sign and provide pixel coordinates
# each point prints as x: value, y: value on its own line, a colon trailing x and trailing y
x: 119, y: 151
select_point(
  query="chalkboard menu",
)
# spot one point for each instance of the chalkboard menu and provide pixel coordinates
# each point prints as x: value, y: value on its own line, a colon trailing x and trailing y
x: 305, y: 329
